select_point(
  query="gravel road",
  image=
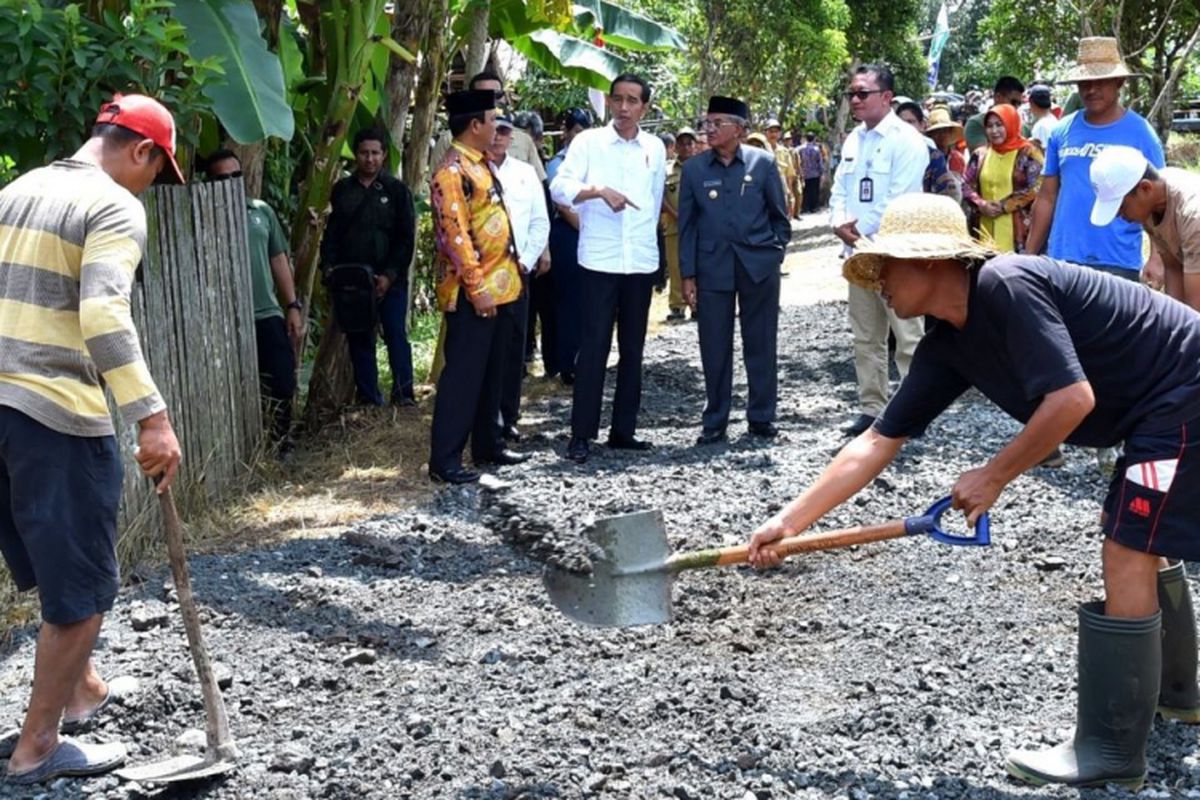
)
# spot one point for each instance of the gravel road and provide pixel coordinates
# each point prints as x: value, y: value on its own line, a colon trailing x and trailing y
x: 417, y: 656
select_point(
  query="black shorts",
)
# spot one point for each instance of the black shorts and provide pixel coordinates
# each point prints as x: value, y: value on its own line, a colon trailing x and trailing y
x: 59, y: 496
x: 1153, y: 502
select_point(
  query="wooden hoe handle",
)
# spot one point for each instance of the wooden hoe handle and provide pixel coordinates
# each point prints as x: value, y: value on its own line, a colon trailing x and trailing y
x: 829, y: 540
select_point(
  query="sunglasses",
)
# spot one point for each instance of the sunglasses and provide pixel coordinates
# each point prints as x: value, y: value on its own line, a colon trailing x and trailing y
x: 228, y: 176
x: 862, y: 94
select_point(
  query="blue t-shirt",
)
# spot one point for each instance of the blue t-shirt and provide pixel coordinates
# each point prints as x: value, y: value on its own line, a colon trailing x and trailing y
x: 1069, y: 153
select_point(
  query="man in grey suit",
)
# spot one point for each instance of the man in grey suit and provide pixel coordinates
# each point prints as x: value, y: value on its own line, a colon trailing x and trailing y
x: 733, y: 232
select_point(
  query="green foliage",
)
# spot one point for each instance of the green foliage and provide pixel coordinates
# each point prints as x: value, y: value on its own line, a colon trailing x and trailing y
x: 57, y: 67
x: 249, y: 100
x: 887, y: 31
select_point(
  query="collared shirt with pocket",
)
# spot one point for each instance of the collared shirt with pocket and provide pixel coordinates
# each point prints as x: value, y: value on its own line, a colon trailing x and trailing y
x: 526, y: 203
x: 891, y: 158
x: 625, y: 242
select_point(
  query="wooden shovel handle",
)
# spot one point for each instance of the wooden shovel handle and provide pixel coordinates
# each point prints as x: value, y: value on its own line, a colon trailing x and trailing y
x: 829, y: 540
x: 216, y: 722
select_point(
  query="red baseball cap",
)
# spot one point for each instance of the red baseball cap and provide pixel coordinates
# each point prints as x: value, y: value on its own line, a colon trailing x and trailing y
x: 144, y: 116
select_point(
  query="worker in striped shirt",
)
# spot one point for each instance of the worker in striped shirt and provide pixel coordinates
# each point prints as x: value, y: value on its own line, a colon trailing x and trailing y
x: 71, y: 238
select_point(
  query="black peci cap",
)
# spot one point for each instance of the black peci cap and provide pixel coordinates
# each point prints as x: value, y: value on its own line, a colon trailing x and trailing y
x: 728, y: 105
x: 471, y: 101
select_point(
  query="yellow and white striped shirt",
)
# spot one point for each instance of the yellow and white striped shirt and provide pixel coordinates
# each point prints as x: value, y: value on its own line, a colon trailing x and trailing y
x: 71, y: 239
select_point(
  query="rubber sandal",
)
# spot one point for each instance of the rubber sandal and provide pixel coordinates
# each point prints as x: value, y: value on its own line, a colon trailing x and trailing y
x: 73, y: 759
x: 119, y: 689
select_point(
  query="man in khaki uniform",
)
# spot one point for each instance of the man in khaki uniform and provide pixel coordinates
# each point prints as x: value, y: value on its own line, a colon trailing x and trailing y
x: 1165, y: 202
x: 522, y: 147
x: 785, y: 161
x: 685, y: 147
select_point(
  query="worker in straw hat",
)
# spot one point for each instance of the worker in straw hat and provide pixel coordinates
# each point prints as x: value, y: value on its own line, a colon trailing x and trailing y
x: 1076, y: 356
x: 1061, y: 217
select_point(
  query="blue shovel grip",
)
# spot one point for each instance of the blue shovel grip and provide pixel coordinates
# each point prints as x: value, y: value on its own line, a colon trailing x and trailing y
x: 930, y: 522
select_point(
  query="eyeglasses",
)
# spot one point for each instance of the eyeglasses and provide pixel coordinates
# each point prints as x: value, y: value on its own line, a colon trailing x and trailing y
x: 228, y: 176
x: 714, y: 125
x: 863, y: 94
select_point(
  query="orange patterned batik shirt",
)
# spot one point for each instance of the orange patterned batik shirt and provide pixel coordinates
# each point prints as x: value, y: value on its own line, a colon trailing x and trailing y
x: 474, y: 236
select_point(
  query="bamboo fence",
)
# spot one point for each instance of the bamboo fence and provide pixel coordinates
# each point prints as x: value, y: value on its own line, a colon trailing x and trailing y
x: 194, y: 312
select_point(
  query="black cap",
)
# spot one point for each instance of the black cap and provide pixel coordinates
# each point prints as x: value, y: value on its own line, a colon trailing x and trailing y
x: 1040, y: 96
x: 728, y: 105
x: 472, y: 101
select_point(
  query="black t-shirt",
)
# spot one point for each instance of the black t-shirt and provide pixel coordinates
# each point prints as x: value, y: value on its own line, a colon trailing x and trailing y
x: 1035, y: 325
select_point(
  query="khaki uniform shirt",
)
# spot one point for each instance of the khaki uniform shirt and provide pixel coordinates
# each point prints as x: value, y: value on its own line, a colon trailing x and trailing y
x: 671, y: 197
x: 1178, y: 235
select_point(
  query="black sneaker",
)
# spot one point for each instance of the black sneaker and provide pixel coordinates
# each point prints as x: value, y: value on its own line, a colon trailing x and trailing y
x: 859, y: 425
x: 578, y: 449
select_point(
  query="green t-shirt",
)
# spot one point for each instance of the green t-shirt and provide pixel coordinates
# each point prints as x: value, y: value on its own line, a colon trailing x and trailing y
x: 266, y: 241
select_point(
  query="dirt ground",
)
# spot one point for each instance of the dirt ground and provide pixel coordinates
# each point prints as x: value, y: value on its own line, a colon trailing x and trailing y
x: 416, y: 655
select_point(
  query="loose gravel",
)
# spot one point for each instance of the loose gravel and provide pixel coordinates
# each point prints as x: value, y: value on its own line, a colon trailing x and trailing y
x: 417, y: 656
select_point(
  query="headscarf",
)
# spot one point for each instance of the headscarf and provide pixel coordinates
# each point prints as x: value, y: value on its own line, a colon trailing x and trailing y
x: 1012, y: 128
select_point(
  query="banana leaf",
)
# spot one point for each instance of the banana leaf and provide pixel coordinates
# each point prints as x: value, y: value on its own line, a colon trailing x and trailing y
x: 251, y: 100
x: 572, y: 58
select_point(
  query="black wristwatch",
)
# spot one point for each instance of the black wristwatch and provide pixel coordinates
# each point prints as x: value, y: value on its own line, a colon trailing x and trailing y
x: 296, y: 304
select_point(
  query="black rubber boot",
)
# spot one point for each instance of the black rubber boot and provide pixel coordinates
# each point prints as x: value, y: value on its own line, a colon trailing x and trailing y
x: 1178, y: 696
x: 1120, y: 661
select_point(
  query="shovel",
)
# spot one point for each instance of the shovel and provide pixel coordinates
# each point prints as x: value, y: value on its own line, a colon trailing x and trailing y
x: 630, y: 584
x: 220, y: 756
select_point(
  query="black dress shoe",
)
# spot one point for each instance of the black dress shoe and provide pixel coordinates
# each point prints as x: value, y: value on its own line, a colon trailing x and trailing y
x: 766, y: 430
x: 711, y: 436
x: 503, y: 458
x: 568, y: 378
x: 578, y: 449
x: 511, y: 434
x: 859, y: 425
x: 454, y: 475
x: 628, y: 443
x: 404, y: 401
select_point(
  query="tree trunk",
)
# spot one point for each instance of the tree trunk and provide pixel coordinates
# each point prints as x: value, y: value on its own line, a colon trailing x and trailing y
x: 410, y: 24
x: 477, y: 40
x: 253, y: 158
x: 429, y: 85
x: 1160, y: 113
x: 346, y: 70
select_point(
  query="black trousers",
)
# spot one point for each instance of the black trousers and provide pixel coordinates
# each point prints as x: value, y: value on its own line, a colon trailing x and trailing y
x: 608, y: 299
x: 276, y: 373
x: 811, y: 200
x: 568, y: 305
x: 759, y: 306
x: 543, y: 310
x: 468, y: 391
x: 514, y: 368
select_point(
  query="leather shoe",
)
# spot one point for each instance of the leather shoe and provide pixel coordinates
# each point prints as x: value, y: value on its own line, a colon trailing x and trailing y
x: 765, y: 430
x: 578, y: 449
x: 628, y: 443
x: 404, y: 401
x: 454, y: 475
x: 859, y: 425
x: 503, y: 458
x: 711, y: 436
x: 511, y: 433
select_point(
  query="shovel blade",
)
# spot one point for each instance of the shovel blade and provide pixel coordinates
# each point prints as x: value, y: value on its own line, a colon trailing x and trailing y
x: 176, y: 770
x: 628, y: 584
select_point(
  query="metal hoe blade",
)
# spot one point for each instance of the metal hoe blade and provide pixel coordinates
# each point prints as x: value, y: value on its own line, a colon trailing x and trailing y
x: 176, y: 770
x: 629, y: 583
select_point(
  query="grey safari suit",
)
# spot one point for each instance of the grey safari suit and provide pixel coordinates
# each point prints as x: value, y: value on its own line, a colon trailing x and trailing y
x: 733, y: 233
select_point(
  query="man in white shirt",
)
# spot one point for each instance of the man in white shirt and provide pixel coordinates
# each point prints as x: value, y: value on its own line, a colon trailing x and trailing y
x: 1041, y: 118
x: 614, y: 177
x: 526, y: 203
x: 882, y: 158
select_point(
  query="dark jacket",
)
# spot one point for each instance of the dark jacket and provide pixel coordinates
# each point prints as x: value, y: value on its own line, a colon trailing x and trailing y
x: 727, y: 212
x: 373, y: 225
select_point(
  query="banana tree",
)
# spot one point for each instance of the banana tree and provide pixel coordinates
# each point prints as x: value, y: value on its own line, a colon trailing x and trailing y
x: 573, y: 39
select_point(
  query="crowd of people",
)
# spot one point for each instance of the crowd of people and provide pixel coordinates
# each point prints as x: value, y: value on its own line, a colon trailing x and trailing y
x: 1000, y: 251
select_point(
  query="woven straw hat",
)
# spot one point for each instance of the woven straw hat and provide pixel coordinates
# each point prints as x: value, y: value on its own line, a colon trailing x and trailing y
x: 1099, y: 58
x: 917, y: 225
x: 939, y: 120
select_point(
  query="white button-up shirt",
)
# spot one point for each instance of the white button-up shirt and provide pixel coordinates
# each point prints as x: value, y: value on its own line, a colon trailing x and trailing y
x: 893, y: 155
x: 624, y: 242
x: 526, y: 204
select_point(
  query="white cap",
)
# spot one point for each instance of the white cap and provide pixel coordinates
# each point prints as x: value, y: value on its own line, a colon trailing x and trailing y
x: 1114, y: 173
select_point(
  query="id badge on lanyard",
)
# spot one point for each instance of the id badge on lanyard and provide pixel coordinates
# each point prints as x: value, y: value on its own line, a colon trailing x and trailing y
x: 866, y: 191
